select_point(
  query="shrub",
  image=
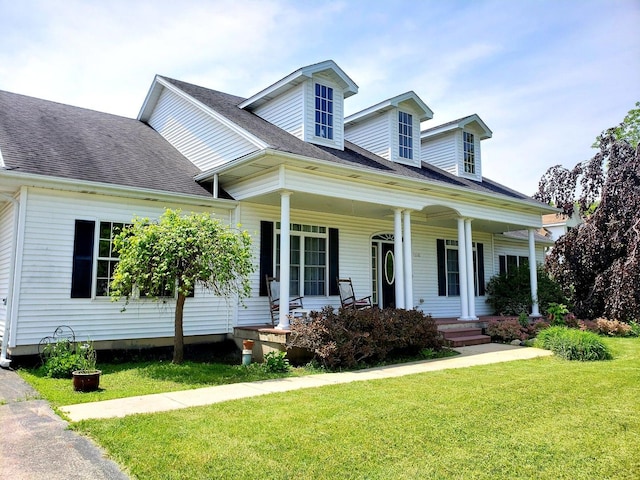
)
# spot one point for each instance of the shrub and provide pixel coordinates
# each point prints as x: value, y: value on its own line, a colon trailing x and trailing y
x: 506, y: 330
x: 572, y: 344
x: 510, y: 294
x: 613, y: 328
x: 635, y: 328
x: 276, y: 362
x: 347, y: 338
x: 61, y: 358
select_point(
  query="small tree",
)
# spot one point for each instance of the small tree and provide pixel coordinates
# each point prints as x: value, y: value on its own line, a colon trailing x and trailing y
x: 171, y: 256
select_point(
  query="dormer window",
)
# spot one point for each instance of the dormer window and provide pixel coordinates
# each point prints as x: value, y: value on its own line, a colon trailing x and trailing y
x: 324, y: 111
x: 405, y: 135
x: 469, y: 153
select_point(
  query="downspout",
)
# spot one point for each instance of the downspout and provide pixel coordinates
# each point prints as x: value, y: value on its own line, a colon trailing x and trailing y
x: 4, y: 361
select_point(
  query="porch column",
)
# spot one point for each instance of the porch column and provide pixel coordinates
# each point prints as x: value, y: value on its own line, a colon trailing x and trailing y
x: 399, y: 262
x: 533, y: 274
x: 471, y: 289
x: 285, y: 260
x: 408, y: 259
x: 462, y: 272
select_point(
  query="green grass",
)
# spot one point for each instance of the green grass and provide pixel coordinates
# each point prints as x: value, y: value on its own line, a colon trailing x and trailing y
x: 143, y: 378
x: 546, y: 418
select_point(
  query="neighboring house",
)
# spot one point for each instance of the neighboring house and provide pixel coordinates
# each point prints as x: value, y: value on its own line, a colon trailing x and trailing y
x: 405, y: 213
x: 555, y: 225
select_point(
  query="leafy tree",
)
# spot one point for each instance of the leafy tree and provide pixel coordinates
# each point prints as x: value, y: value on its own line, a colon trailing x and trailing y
x: 171, y: 256
x: 598, y: 262
x: 628, y: 130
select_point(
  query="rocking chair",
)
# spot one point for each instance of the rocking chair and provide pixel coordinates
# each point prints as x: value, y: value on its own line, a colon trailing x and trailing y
x: 348, y: 298
x: 273, y: 291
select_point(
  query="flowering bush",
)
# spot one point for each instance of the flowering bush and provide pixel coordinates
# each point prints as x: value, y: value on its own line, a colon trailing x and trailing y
x: 613, y: 328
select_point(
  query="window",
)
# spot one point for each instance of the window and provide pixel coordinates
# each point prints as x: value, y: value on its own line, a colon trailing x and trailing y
x: 405, y: 135
x: 469, y: 153
x: 324, y: 111
x: 308, y: 261
x: 107, y: 257
x: 449, y: 268
x: 510, y: 263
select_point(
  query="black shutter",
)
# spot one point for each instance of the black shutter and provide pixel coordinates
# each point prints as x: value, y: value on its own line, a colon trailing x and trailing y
x: 503, y: 264
x: 266, y: 255
x: 442, y: 269
x: 481, y: 289
x: 82, y: 272
x: 334, y: 266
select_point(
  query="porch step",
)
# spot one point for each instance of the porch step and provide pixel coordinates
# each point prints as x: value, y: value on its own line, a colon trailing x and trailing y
x: 467, y: 341
x: 463, y: 336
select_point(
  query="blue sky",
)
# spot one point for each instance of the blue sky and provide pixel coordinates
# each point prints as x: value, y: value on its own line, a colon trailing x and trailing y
x: 545, y: 76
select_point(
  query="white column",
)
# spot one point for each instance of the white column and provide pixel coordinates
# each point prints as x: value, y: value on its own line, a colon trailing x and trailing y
x: 285, y: 260
x: 533, y: 275
x: 462, y: 271
x: 408, y: 259
x: 470, y: 273
x: 399, y: 262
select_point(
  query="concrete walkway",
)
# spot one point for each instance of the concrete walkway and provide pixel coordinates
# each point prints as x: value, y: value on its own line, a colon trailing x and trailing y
x: 470, y: 356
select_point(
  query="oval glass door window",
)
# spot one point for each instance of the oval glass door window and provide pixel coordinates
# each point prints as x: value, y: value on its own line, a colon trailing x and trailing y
x: 389, y: 270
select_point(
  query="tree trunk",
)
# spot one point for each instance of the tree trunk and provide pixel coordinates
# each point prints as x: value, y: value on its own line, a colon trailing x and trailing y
x: 178, y: 339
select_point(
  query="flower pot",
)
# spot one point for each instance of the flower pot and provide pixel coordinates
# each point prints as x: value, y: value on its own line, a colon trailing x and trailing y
x: 247, y: 344
x: 86, y: 381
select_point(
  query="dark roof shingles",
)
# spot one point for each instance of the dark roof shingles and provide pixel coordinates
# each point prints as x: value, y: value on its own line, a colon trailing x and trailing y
x: 48, y: 138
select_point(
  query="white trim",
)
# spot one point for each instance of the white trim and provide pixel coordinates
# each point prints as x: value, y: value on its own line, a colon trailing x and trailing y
x: 138, y: 193
x: 383, y: 178
x: 425, y: 112
x: 4, y: 361
x: 458, y: 125
x: 302, y: 74
x: 17, y: 268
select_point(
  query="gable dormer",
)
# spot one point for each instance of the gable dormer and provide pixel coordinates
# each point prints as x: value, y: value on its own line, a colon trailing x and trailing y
x: 308, y: 103
x: 390, y: 129
x: 455, y: 146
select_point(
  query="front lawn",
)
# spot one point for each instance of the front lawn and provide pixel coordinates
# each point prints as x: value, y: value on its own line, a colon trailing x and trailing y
x: 121, y: 380
x: 546, y: 418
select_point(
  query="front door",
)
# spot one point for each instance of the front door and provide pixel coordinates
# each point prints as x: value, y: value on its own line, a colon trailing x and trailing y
x: 383, y: 271
x: 388, y: 270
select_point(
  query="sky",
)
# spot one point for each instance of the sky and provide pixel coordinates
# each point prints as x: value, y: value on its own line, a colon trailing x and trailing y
x: 545, y: 76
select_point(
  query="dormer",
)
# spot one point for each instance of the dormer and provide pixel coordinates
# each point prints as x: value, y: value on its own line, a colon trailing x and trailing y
x: 308, y: 103
x: 390, y: 129
x: 455, y: 146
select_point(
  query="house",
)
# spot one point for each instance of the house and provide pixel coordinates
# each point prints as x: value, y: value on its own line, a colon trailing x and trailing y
x: 555, y: 225
x: 404, y: 211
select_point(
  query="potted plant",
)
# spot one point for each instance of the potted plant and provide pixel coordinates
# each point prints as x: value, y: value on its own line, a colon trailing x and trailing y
x: 87, y: 377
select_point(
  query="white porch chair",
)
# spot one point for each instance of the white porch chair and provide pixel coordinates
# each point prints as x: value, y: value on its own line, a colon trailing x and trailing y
x: 348, y: 297
x: 273, y: 291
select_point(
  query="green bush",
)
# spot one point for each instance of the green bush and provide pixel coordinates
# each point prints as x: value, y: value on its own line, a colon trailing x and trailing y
x: 276, y: 362
x: 61, y: 358
x: 510, y: 294
x: 347, y: 338
x: 572, y: 344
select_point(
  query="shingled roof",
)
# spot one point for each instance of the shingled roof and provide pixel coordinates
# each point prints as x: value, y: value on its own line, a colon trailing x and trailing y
x: 352, y: 155
x: 48, y: 138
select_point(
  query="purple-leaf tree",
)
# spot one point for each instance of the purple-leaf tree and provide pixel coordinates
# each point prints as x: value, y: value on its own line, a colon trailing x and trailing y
x: 598, y: 262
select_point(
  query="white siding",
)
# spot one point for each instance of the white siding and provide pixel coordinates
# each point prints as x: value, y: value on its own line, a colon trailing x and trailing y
x: 45, y: 287
x: 285, y: 111
x: 310, y: 109
x: 6, y: 245
x: 373, y: 135
x: 441, y: 152
x: 198, y: 136
x: 507, y: 246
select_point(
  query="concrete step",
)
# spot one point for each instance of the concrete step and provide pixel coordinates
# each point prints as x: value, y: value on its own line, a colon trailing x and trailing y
x: 467, y: 341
